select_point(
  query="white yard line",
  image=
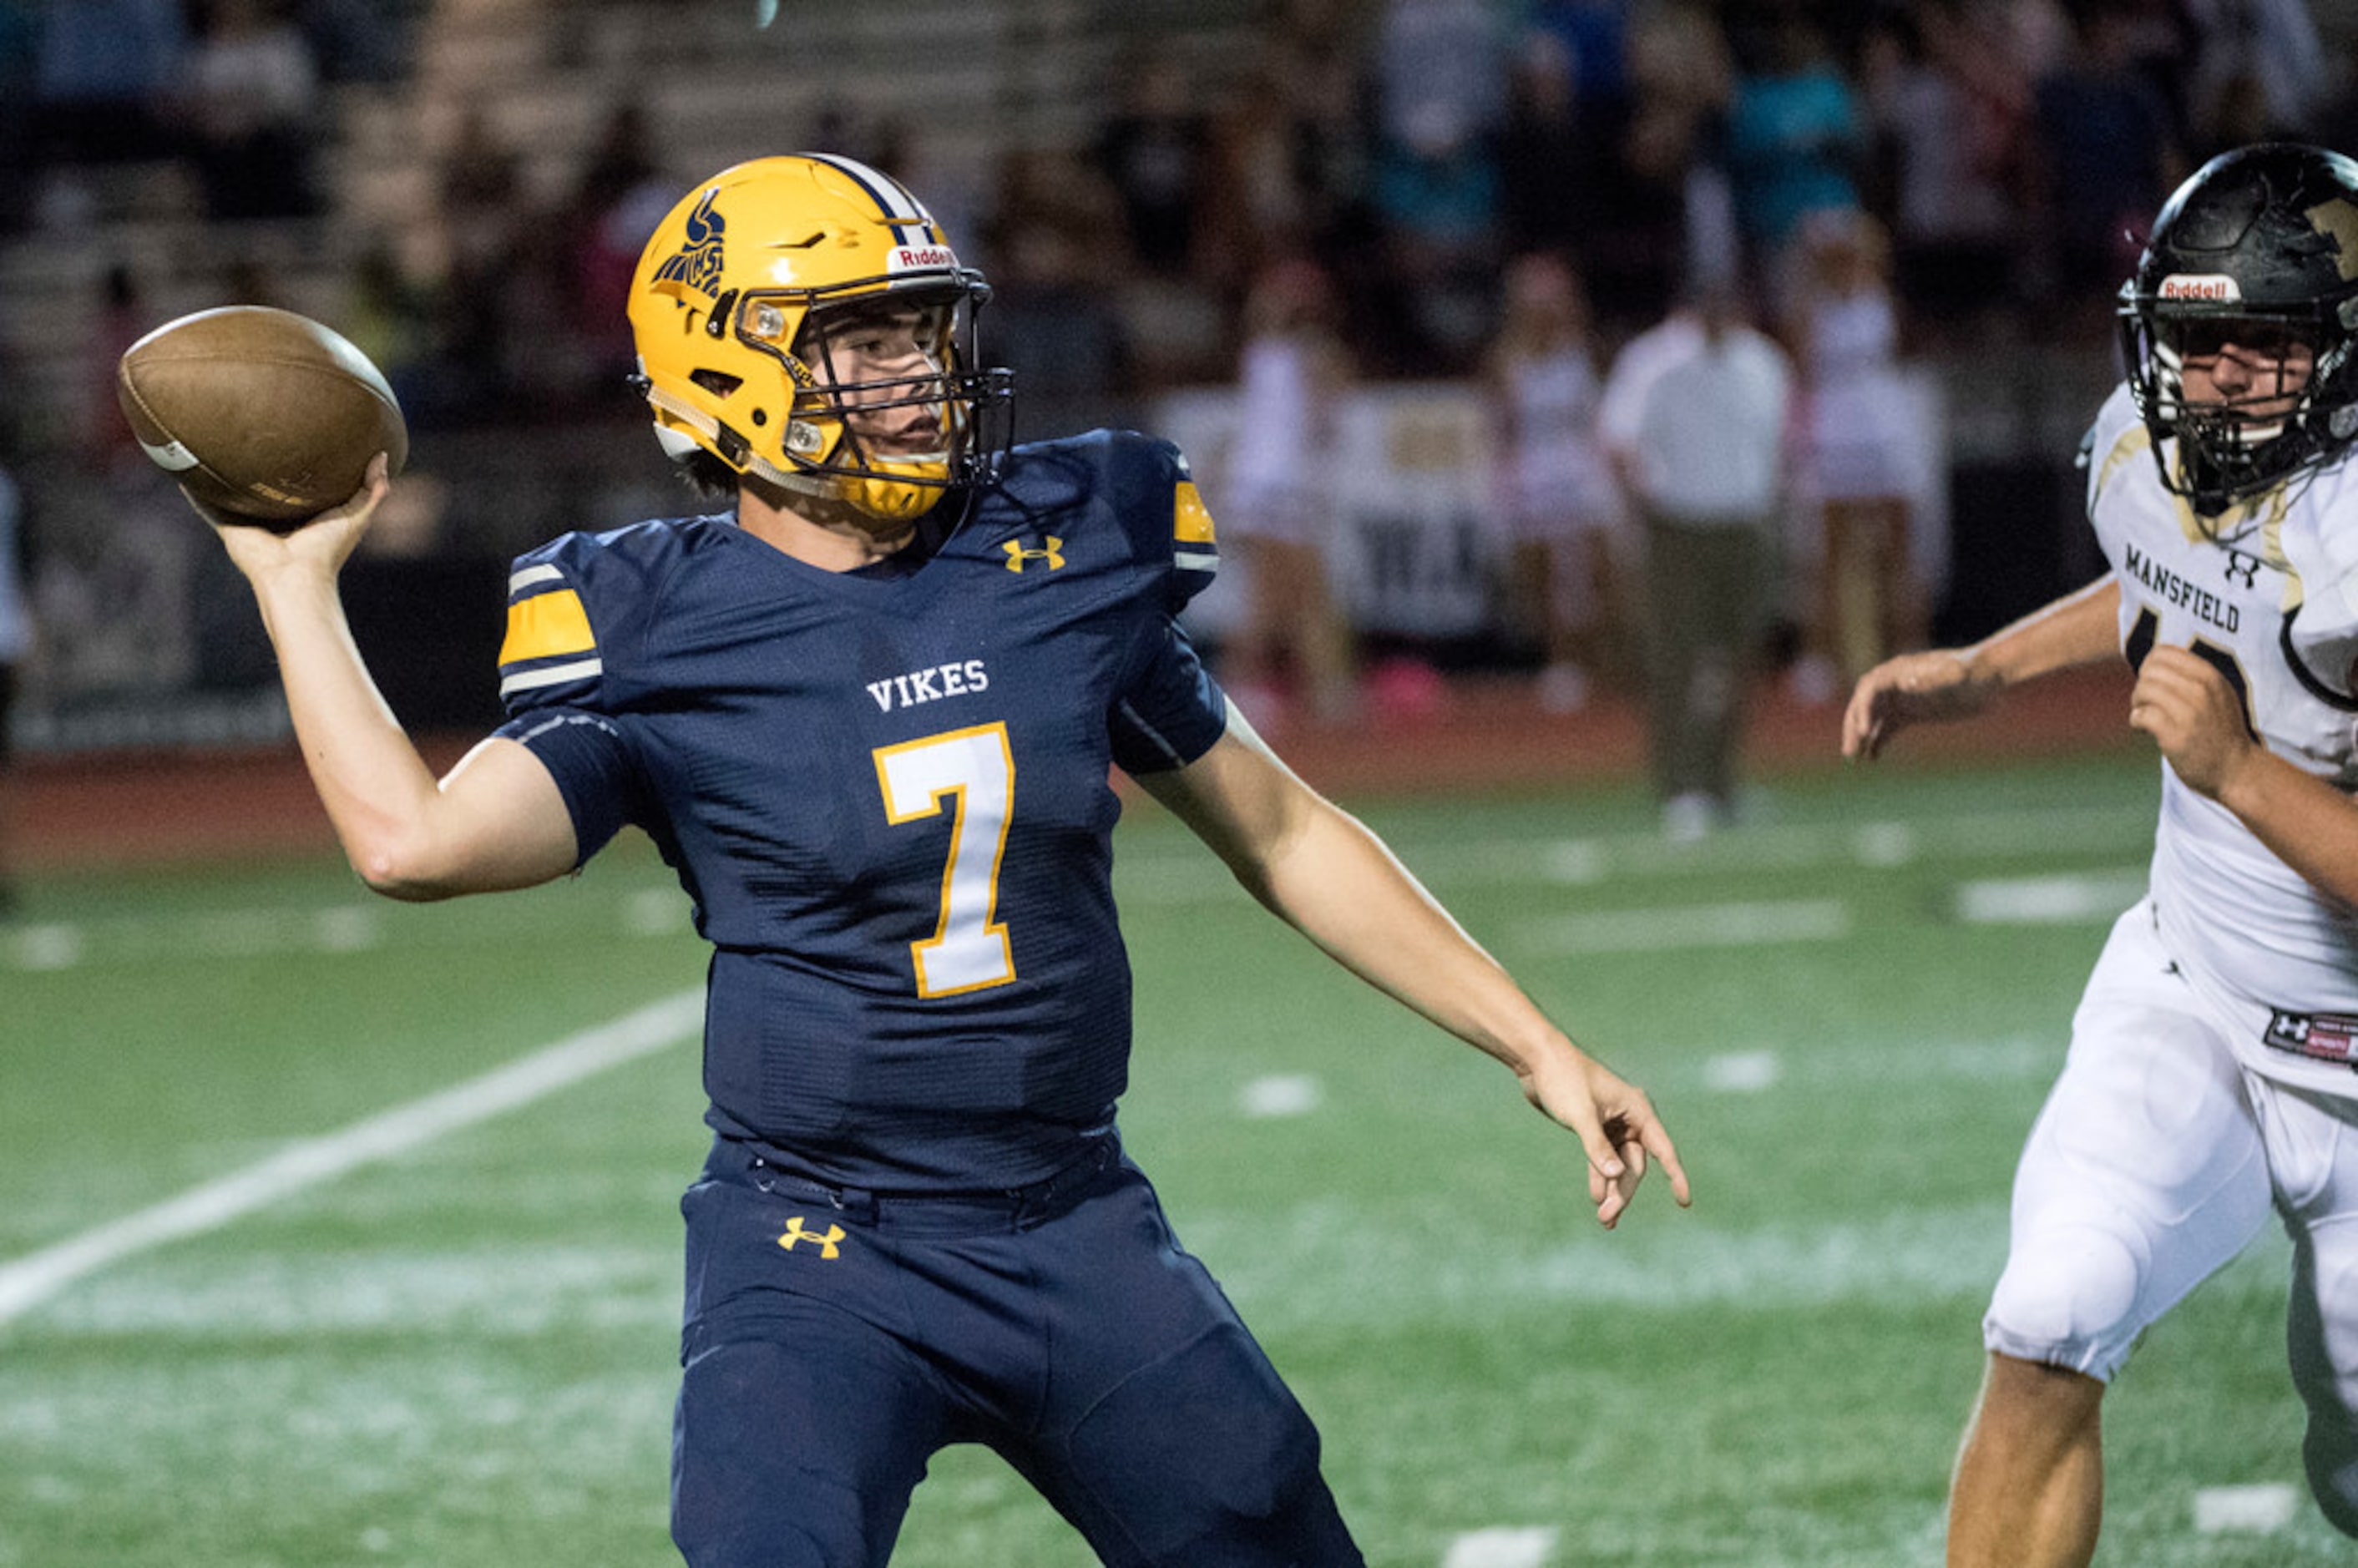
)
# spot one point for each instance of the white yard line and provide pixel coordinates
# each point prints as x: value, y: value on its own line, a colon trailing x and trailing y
x: 2049, y: 900
x: 2262, y: 1508
x: 1281, y: 1095
x: 1689, y: 925
x: 1503, y: 1547
x: 27, y: 1282
x: 1743, y: 1072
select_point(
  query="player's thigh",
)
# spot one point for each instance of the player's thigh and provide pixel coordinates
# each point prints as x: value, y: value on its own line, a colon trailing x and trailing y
x: 2313, y: 1151
x: 2143, y: 1173
x: 804, y: 1421
x: 1174, y: 1441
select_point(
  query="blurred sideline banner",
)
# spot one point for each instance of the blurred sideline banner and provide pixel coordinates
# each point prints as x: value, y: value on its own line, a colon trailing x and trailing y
x: 1418, y: 543
x: 1414, y: 553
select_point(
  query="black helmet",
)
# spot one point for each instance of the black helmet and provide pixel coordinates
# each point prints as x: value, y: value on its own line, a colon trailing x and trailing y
x: 2265, y: 237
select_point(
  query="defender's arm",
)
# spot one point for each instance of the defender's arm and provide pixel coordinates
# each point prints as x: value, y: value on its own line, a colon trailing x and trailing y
x: 2079, y: 629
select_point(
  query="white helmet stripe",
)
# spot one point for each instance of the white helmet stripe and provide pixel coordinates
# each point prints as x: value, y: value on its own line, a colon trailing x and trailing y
x: 891, y: 197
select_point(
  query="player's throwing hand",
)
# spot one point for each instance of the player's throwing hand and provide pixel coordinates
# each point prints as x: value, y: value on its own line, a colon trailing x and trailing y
x: 325, y: 540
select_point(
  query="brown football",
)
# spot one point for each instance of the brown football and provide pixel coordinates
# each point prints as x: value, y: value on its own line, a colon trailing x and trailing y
x: 258, y: 412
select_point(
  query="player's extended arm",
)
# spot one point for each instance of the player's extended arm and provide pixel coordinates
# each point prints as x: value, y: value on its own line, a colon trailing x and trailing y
x: 2079, y: 629
x: 1318, y: 869
x: 496, y: 821
x: 2197, y: 720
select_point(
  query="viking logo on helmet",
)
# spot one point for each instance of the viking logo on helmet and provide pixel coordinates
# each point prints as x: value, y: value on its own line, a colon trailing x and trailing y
x: 697, y: 264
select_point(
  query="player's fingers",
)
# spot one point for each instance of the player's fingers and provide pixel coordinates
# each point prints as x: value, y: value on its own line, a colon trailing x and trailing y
x: 357, y: 508
x: 1656, y: 1139
x: 1602, y: 1158
x: 1861, y: 729
x: 1608, y: 1195
x: 373, y: 484
x: 1573, y: 1106
x: 2169, y: 670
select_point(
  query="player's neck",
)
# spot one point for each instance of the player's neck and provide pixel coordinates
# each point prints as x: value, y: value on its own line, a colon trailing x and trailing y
x: 830, y: 536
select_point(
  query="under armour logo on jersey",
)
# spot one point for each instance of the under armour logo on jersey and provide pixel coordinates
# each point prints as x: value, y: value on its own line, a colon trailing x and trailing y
x: 829, y: 1240
x: 1017, y: 555
x: 2244, y: 569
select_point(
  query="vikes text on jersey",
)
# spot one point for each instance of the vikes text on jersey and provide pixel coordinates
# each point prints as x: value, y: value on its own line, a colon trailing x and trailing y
x: 930, y: 684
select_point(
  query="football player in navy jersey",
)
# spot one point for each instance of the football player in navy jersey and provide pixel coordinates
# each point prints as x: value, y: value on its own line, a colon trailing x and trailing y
x: 868, y: 708
x: 2210, y: 1079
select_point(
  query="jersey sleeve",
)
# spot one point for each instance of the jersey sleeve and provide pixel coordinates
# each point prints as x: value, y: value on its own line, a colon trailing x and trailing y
x: 2322, y: 628
x: 1170, y: 528
x: 1195, y: 552
x: 2117, y: 440
x: 550, y: 653
x: 552, y: 680
x: 1170, y: 711
x: 594, y: 765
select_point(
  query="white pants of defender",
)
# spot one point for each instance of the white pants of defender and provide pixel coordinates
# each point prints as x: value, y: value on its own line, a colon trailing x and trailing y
x: 2156, y: 1160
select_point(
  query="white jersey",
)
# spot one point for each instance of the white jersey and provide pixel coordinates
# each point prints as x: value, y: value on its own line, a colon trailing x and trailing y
x: 2272, y: 600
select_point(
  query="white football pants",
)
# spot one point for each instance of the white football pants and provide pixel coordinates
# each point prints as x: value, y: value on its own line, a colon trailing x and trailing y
x: 2155, y: 1162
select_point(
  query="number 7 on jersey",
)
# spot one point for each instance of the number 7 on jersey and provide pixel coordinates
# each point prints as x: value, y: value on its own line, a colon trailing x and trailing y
x: 975, y: 770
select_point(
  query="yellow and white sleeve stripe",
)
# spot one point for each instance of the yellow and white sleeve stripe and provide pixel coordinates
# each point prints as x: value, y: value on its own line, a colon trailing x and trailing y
x: 550, y: 642
x: 1193, y: 546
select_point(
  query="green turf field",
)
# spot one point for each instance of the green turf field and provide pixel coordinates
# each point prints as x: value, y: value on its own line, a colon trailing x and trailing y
x: 463, y: 1353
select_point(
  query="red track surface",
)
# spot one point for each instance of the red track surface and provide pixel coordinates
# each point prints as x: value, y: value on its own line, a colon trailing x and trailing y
x: 184, y: 807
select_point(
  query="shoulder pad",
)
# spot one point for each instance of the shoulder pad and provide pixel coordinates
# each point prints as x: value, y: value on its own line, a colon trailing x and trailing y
x: 1160, y: 504
x: 1144, y: 483
x: 2118, y: 438
x: 569, y: 597
x: 550, y: 652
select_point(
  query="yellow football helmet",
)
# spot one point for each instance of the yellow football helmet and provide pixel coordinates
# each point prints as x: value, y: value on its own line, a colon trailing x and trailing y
x: 722, y: 309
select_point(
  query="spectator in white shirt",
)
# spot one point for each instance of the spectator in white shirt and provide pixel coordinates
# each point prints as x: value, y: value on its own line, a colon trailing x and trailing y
x: 1693, y: 421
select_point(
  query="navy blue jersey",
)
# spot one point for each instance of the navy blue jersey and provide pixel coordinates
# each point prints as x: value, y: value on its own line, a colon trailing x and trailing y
x: 887, y: 793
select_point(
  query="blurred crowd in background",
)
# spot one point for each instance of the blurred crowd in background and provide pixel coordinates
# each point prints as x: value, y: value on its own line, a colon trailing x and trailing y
x: 1494, y: 194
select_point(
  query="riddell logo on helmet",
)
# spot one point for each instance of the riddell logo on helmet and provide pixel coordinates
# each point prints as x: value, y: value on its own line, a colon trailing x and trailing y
x: 2199, y: 286
x: 909, y: 256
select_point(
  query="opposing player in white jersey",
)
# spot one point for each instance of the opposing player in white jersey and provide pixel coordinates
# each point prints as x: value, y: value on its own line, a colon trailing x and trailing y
x: 2213, y: 1068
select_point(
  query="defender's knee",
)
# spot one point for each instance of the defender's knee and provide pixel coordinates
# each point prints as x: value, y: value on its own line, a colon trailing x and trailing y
x: 2069, y: 1302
